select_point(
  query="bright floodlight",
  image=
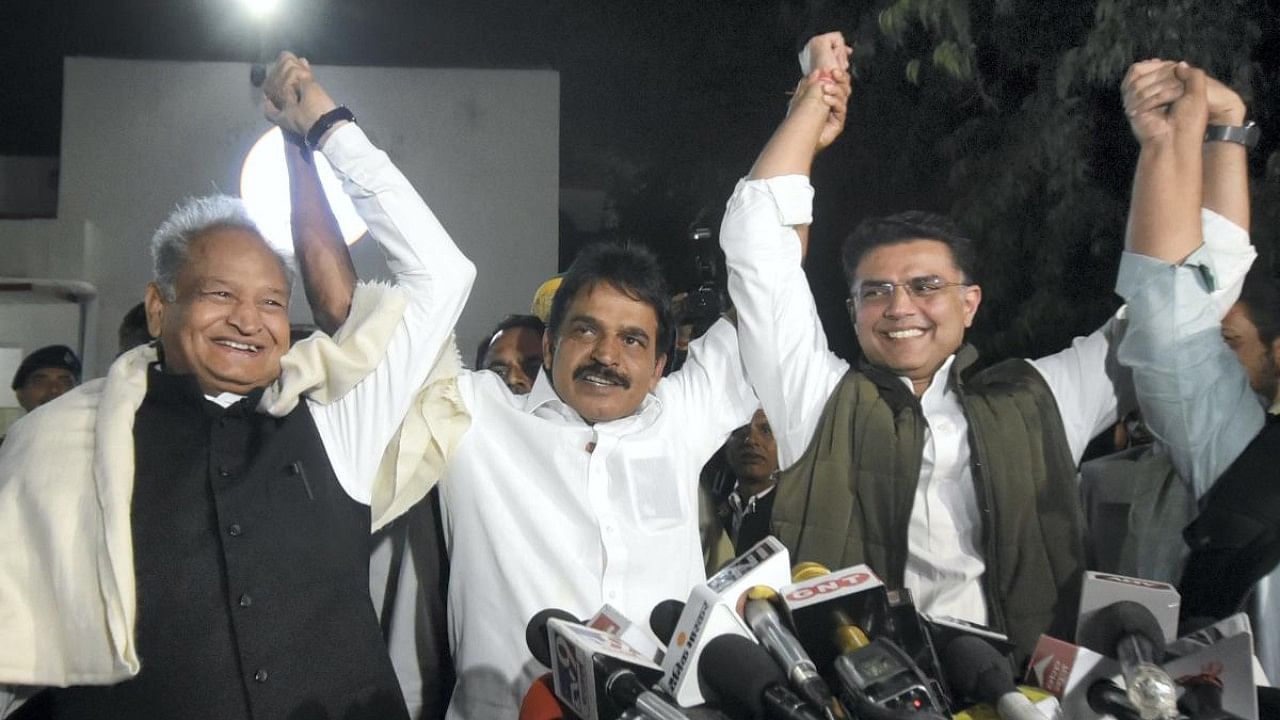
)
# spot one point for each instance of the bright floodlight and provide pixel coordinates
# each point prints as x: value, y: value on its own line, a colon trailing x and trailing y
x: 264, y: 185
x: 260, y: 8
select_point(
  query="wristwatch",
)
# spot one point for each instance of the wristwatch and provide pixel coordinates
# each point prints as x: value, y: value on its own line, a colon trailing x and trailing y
x: 1247, y: 134
x: 324, y: 122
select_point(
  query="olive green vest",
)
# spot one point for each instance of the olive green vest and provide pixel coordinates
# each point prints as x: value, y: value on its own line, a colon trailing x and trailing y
x: 848, y: 499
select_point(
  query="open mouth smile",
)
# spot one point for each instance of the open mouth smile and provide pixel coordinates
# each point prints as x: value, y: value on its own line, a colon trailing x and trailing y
x: 239, y: 346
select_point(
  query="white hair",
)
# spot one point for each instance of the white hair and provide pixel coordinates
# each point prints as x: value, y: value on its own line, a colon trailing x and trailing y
x: 171, y: 243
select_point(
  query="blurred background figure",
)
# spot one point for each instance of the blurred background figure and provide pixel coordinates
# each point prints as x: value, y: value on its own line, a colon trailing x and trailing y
x: 133, y: 330
x: 44, y: 375
x: 741, y: 479
x: 514, y: 351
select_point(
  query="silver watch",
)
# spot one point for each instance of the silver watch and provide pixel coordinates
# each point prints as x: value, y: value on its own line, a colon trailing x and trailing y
x: 1247, y: 134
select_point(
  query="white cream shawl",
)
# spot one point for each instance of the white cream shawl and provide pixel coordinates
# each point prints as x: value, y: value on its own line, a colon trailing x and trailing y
x: 67, y: 590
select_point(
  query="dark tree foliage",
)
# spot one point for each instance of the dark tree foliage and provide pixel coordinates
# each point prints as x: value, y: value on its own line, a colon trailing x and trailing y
x: 1038, y: 154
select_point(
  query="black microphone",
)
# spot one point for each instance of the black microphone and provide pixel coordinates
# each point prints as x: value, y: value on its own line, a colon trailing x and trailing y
x: 1107, y: 699
x: 748, y: 683
x: 664, y: 617
x: 978, y: 671
x: 1129, y: 632
x: 1202, y: 699
x: 535, y: 633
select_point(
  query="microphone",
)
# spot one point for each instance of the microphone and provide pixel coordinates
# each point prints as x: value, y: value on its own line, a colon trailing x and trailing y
x: 1202, y: 698
x: 748, y: 683
x: 1099, y: 589
x: 831, y: 610
x: 595, y: 674
x: 784, y: 647
x: 663, y: 618
x: 976, y: 670
x: 535, y: 633
x: 1107, y: 699
x: 1129, y: 632
x: 711, y: 611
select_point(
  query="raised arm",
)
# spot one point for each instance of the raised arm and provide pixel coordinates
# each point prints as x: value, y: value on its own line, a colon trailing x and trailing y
x: 433, y: 274
x: 1226, y: 164
x: 1164, y: 219
x: 328, y: 275
x: 784, y: 348
x: 1192, y: 391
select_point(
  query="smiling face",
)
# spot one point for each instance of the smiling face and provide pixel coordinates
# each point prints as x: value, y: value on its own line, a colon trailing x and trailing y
x: 228, y: 324
x: 912, y: 336
x: 604, y: 360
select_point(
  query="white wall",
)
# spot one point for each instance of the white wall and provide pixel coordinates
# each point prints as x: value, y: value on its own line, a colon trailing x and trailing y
x: 482, y: 146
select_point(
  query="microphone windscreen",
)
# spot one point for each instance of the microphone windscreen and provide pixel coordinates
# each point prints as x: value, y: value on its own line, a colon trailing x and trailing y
x: 1106, y: 699
x: 663, y: 619
x: 739, y: 671
x: 976, y: 670
x: 540, y: 702
x: 535, y: 633
x: 1106, y: 627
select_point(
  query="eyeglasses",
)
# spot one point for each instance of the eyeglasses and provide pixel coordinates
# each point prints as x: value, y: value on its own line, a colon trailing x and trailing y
x: 919, y: 288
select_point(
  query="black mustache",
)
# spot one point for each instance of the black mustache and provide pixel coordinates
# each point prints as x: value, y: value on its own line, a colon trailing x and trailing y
x: 607, y: 373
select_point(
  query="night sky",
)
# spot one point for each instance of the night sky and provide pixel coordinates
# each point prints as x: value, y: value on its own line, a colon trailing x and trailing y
x: 640, y: 82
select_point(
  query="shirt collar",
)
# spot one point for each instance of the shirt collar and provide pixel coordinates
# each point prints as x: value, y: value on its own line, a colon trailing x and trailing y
x: 936, y: 389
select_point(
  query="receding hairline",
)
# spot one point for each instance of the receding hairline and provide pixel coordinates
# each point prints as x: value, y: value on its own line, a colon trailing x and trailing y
x: 199, y: 241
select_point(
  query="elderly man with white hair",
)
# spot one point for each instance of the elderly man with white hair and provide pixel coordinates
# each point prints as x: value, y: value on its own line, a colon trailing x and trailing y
x: 189, y: 537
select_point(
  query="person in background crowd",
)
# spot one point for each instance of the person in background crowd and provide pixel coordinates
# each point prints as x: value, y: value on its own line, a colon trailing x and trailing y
x: 513, y: 350
x: 45, y: 375
x: 133, y: 330
x: 745, y: 489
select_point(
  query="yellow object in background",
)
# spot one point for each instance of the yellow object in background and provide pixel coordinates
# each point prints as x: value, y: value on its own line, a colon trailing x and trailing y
x: 987, y: 712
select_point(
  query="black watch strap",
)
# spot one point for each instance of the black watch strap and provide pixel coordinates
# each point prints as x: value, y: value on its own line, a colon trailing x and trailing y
x: 1247, y: 135
x: 326, y: 121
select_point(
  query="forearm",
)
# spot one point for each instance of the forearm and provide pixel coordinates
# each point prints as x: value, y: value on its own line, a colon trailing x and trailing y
x: 328, y: 275
x: 1226, y: 170
x: 791, y: 149
x: 1164, y: 220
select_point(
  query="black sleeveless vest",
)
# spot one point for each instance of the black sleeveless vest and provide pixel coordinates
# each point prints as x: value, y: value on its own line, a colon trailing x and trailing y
x: 252, y: 568
x: 1235, y: 540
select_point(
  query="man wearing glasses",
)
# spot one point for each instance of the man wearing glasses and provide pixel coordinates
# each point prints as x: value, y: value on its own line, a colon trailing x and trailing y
x: 954, y: 483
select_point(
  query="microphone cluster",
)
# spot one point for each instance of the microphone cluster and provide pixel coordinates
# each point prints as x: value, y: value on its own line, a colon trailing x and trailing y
x: 762, y: 641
